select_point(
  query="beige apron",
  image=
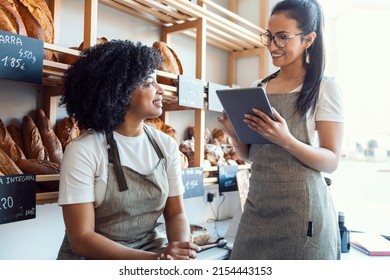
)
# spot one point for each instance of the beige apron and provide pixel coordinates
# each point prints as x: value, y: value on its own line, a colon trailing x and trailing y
x: 132, y: 205
x: 289, y: 213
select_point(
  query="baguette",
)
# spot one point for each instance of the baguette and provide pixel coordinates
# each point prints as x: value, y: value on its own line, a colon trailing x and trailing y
x: 7, y: 165
x: 10, y: 19
x: 38, y: 167
x: 16, y: 135
x: 32, y: 140
x: 8, y: 145
x: 49, y: 138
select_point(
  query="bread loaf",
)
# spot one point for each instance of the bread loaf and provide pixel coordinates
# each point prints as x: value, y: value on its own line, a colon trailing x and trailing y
x: 70, y: 59
x: 38, y: 167
x: 7, y: 165
x: 10, y: 19
x: 67, y: 130
x: 8, y: 145
x: 41, y: 13
x: 38, y: 21
x: 32, y: 140
x: 49, y: 138
x: 171, y: 63
x: 16, y: 135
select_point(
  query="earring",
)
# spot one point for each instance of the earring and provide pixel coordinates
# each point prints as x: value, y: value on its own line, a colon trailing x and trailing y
x: 307, y: 57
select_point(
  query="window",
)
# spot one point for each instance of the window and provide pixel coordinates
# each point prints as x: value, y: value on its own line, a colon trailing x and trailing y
x: 357, y: 42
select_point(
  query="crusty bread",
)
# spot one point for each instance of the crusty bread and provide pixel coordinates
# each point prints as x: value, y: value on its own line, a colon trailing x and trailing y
x: 49, y: 138
x: 32, y: 140
x: 171, y: 63
x: 41, y: 13
x: 38, y: 21
x: 10, y: 19
x: 38, y: 167
x: 7, y: 165
x: 8, y: 145
x: 67, y: 130
x: 16, y: 135
x: 70, y: 59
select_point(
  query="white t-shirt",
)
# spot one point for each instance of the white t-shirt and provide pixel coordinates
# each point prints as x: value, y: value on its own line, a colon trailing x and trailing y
x: 329, y: 106
x: 83, y: 175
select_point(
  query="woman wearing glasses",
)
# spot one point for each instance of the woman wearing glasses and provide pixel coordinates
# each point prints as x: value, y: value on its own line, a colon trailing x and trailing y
x: 289, y: 213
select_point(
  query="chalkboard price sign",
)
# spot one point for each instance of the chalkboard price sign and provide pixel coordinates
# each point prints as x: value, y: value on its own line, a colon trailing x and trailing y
x: 213, y: 101
x: 227, y: 178
x: 193, y: 182
x: 190, y: 92
x: 21, y: 58
x: 17, y: 198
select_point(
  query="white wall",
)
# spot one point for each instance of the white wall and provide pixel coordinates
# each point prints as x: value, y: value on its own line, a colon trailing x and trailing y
x: 41, y: 237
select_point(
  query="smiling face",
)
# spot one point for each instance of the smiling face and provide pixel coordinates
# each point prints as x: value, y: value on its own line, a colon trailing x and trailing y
x: 146, y: 100
x: 293, y: 52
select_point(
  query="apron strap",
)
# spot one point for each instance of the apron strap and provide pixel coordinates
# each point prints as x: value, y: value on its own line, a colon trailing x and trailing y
x: 266, y: 79
x: 153, y: 142
x: 113, y: 157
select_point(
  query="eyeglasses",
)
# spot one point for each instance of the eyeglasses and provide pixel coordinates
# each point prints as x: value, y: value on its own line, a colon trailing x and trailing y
x: 280, y: 39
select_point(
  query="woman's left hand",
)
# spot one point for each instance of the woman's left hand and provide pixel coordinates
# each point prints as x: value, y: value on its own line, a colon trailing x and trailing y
x: 181, y: 250
x: 275, y: 131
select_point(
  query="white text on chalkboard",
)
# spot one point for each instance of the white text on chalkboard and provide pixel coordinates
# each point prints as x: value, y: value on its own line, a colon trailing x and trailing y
x: 11, y: 40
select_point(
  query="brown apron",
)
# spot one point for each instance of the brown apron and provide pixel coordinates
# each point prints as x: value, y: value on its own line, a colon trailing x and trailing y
x: 289, y: 213
x: 132, y: 205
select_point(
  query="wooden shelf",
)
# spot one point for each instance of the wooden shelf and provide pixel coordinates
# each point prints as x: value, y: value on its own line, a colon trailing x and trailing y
x: 224, y: 30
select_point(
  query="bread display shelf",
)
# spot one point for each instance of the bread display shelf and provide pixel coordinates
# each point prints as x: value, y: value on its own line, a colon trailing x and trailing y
x: 225, y: 29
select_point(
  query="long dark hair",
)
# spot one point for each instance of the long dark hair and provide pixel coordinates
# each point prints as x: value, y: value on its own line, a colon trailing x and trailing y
x: 309, y: 16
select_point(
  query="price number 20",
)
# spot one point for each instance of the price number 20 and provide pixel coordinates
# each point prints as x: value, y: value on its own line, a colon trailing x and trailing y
x: 6, y: 202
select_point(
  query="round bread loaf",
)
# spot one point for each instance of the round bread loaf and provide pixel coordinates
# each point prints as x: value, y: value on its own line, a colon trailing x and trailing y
x: 49, y: 138
x: 10, y: 19
x: 171, y: 63
x: 70, y: 59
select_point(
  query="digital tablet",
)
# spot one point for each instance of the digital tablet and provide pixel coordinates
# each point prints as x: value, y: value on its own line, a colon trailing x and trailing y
x: 240, y: 101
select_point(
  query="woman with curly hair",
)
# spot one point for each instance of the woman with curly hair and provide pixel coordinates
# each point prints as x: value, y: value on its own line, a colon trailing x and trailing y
x: 121, y: 174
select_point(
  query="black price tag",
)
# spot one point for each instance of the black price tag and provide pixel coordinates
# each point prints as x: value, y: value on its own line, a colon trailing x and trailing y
x: 227, y: 178
x: 193, y: 182
x: 17, y: 198
x: 21, y: 58
x: 190, y: 92
x: 212, y: 99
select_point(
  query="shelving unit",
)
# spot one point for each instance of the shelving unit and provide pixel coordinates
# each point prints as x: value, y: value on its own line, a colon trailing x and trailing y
x: 205, y: 21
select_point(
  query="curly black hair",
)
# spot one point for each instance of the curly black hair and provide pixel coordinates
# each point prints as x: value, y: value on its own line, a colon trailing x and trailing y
x: 99, y: 85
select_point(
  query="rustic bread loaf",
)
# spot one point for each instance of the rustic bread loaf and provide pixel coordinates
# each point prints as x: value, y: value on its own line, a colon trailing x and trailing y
x: 70, y: 59
x: 10, y: 19
x: 67, y: 130
x: 38, y: 21
x: 49, y: 138
x: 38, y: 167
x: 8, y: 145
x: 7, y: 165
x: 16, y: 135
x: 171, y: 63
x: 32, y: 140
x: 41, y: 13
